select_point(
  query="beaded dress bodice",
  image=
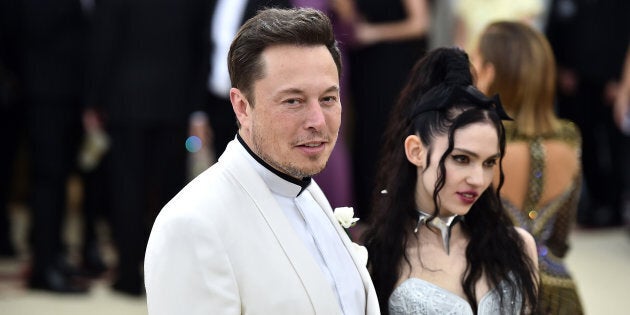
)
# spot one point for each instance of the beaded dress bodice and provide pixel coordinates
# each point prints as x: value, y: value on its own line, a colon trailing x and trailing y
x: 416, y: 296
x: 550, y: 223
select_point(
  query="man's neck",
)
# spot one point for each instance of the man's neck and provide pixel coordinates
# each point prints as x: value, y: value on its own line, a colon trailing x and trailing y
x: 303, y: 182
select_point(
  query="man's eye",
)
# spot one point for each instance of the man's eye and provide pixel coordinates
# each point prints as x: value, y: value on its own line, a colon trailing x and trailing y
x: 329, y: 99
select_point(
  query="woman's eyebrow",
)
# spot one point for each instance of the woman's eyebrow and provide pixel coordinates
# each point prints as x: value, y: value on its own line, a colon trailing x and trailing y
x: 475, y: 155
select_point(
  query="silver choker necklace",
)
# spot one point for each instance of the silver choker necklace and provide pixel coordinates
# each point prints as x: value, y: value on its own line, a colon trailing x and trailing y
x: 443, y: 225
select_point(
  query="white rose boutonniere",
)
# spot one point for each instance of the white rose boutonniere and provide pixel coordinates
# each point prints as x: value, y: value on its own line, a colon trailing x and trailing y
x: 345, y: 216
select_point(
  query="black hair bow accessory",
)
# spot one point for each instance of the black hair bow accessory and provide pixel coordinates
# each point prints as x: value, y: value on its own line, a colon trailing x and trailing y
x: 439, y: 98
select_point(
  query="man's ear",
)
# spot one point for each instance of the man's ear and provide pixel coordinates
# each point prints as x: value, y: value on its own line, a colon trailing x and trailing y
x: 240, y: 105
x: 415, y: 151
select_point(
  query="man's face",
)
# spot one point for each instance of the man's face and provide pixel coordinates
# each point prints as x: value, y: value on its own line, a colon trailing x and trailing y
x: 294, y: 122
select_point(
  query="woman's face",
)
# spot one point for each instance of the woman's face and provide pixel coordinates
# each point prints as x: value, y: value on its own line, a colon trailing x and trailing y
x: 469, y: 169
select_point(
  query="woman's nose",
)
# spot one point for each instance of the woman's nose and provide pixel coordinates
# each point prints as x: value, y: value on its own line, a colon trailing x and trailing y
x: 476, y: 176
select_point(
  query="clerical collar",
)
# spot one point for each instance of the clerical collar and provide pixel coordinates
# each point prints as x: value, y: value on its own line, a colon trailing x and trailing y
x: 444, y: 225
x: 302, y: 183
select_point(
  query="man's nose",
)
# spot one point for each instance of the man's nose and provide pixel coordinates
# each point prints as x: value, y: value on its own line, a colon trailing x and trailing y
x: 315, y: 116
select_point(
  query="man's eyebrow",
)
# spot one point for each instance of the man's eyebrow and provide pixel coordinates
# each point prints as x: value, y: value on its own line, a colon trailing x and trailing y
x: 334, y: 88
x: 290, y: 91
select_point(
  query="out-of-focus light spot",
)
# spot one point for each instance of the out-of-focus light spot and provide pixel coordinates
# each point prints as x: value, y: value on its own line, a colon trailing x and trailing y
x: 193, y: 144
x: 533, y: 214
x: 542, y: 251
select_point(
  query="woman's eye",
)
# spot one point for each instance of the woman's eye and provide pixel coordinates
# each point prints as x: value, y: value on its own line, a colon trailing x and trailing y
x: 491, y: 163
x: 460, y: 158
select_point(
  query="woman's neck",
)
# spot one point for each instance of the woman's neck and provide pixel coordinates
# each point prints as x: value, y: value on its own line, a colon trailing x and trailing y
x: 442, y: 227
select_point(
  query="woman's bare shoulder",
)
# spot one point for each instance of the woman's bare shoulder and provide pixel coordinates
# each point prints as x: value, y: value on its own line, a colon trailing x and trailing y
x: 529, y: 244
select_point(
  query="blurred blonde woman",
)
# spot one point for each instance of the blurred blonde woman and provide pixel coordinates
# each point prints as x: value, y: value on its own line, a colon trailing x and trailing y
x: 542, y: 161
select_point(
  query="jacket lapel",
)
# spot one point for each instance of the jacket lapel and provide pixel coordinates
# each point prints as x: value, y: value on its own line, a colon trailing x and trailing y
x: 313, y: 280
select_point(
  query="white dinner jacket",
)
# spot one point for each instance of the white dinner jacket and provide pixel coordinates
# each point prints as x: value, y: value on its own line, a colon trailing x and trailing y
x: 224, y: 246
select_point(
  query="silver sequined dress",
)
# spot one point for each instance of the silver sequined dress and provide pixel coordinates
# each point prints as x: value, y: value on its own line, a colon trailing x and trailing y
x: 415, y: 296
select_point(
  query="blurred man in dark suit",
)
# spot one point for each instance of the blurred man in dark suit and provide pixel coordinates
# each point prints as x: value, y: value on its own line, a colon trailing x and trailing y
x: 51, y: 69
x: 150, y: 67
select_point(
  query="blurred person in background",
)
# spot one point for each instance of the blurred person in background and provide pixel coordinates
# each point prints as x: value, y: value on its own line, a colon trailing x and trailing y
x: 53, y: 43
x: 590, y: 40
x: 95, y: 200
x: 622, y: 119
x: 149, y: 70
x: 542, y: 166
x: 11, y: 120
x: 92, y: 175
x: 472, y: 16
x: 388, y: 38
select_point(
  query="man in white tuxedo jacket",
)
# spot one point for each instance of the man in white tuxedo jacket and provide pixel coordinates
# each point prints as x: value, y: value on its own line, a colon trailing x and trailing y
x: 254, y: 234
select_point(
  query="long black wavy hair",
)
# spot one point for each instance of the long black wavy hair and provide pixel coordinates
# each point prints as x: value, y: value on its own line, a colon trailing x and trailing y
x: 495, y: 248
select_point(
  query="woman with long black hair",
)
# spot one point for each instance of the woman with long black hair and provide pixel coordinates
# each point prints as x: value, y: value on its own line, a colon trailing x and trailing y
x: 440, y: 242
